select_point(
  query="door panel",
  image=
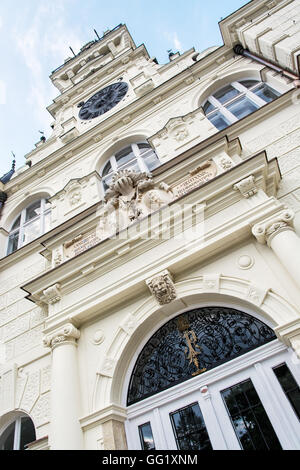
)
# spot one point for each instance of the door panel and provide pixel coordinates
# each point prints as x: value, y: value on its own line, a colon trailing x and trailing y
x: 242, y: 408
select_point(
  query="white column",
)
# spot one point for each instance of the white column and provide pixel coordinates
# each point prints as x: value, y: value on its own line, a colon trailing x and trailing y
x: 280, y: 236
x: 65, y: 430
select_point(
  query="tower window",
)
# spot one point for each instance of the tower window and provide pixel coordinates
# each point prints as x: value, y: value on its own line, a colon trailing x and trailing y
x: 33, y: 221
x: 237, y: 100
x: 139, y: 156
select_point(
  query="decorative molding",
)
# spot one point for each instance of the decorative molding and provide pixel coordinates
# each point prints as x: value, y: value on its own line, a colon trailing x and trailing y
x: 66, y: 334
x: 162, y: 287
x: 246, y: 187
x: 245, y: 262
x: 211, y: 282
x: 52, y: 294
x: 264, y: 232
x: 256, y: 294
x: 98, y: 337
x: 108, y: 367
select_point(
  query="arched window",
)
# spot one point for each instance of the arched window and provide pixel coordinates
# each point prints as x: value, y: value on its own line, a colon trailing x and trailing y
x: 18, y: 434
x: 192, y: 343
x: 237, y: 100
x: 139, y: 156
x: 32, y: 222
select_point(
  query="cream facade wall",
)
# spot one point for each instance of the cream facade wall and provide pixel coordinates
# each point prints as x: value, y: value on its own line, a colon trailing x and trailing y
x: 95, y: 311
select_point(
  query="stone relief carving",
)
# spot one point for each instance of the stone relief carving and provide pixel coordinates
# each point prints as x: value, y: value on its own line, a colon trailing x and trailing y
x: 74, y: 194
x: 162, y: 287
x: 130, y: 197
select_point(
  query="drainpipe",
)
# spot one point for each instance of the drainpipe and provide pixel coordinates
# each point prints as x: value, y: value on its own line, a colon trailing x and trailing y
x: 239, y: 50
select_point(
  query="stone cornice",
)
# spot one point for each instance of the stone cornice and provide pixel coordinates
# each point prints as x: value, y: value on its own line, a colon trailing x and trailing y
x: 252, y: 11
x: 112, y: 253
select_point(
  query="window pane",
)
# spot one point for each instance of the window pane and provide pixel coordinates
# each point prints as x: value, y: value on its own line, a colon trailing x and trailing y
x: 17, y: 223
x: 146, y: 437
x: 219, y: 121
x: 7, y: 440
x: 107, y: 169
x: 27, y: 432
x: 152, y: 161
x: 124, y: 156
x: 189, y: 429
x: 33, y: 211
x: 144, y: 147
x: 32, y: 231
x: 208, y: 107
x: 250, y: 421
x: 249, y: 83
x: 13, y: 243
x: 266, y: 93
x: 289, y: 385
x: 226, y: 94
x: 242, y: 107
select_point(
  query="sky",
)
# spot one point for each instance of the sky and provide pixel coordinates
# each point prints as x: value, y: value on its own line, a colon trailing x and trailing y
x: 36, y: 36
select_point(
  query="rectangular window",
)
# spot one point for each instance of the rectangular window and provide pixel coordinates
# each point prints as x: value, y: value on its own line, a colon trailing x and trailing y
x: 242, y: 107
x: 289, y: 386
x: 250, y: 421
x: 218, y: 120
x: 146, y: 437
x: 189, y: 429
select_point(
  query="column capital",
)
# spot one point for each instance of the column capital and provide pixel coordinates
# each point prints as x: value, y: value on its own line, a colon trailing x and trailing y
x: 290, y: 334
x: 67, y: 334
x: 265, y: 231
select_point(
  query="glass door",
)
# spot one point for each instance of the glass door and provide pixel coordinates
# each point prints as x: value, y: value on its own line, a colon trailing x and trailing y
x: 251, y: 403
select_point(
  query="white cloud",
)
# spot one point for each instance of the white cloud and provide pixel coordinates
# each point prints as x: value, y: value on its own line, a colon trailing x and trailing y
x: 46, y: 40
x: 174, y: 40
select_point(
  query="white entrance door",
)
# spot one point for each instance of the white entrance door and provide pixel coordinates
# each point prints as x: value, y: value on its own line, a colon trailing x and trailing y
x: 251, y: 402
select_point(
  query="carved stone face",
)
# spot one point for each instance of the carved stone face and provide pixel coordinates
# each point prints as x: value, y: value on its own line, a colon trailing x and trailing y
x: 159, y: 286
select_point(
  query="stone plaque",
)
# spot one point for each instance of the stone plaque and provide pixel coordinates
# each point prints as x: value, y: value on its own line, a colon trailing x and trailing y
x: 81, y: 244
x: 196, y: 178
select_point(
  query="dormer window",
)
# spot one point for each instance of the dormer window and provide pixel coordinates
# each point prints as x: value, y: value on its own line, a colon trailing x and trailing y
x: 31, y: 223
x: 236, y: 100
x: 139, y: 157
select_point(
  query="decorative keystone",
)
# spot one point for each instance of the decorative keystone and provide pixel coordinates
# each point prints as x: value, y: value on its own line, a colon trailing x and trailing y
x: 162, y: 287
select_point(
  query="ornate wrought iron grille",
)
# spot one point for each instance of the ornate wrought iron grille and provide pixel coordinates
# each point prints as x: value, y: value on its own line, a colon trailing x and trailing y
x: 192, y: 343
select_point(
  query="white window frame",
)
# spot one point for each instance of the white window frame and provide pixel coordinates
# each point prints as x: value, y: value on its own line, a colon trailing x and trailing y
x: 244, y: 92
x: 23, y: 224
x: 139, y: 159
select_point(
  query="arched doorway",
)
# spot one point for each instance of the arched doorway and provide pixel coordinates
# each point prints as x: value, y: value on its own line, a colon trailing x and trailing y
x: 214, y: 378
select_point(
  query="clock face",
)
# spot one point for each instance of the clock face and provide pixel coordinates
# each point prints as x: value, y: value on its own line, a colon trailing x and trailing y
x: 103, y: 100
